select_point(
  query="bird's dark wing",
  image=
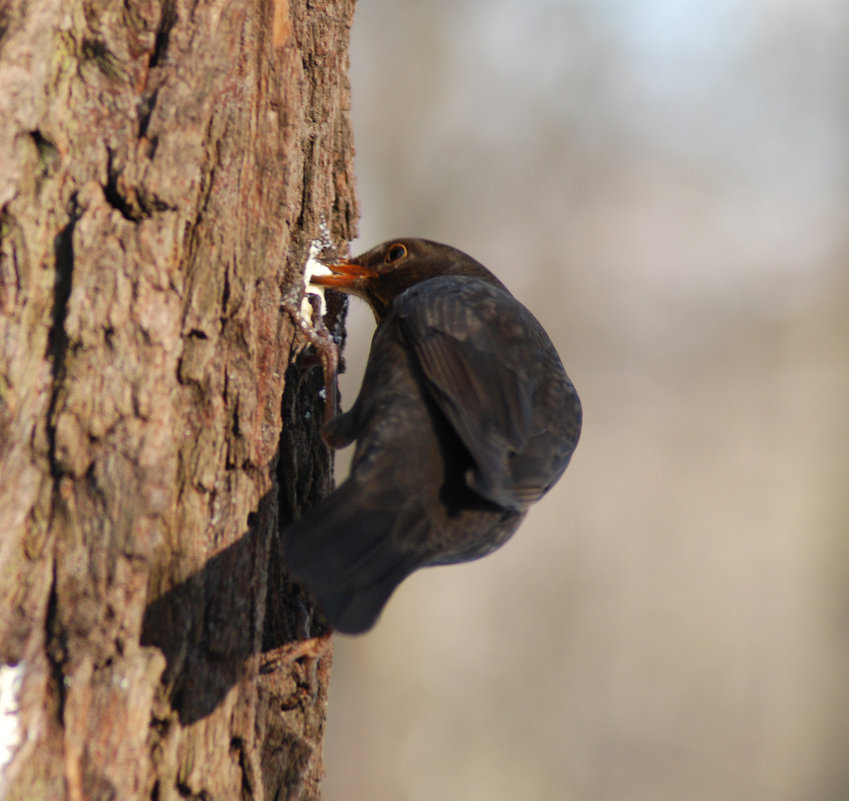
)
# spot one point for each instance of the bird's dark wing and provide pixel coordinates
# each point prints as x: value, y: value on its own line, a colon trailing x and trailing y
x: 403, y: 505
x: 497, y: 378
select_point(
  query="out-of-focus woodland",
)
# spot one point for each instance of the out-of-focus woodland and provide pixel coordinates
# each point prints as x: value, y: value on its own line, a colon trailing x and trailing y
x: 665, y: 185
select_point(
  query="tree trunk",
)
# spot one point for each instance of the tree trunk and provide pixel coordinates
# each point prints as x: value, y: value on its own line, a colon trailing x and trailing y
x: 163, y: 167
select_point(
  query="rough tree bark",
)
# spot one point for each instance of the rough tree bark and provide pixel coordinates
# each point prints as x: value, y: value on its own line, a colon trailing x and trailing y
x: 164, y: 165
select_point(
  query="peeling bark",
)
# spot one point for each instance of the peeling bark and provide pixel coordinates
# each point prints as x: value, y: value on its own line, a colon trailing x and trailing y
x: 164, y: 166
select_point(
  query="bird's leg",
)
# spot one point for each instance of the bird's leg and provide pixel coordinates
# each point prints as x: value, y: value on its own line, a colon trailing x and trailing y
x: 309, y: 650
x: 306, y: 651
x: 321, y: 339
x: 307, y: 655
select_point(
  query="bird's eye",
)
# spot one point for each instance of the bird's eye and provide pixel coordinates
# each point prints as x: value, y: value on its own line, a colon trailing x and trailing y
x: 396, y: 252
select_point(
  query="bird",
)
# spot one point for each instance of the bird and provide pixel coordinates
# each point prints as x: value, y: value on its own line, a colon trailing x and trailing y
x: 465, y: 417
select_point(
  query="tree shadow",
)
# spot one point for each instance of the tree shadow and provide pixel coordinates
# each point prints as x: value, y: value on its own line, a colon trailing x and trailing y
x: 242, y: 602
x: 209, y: 625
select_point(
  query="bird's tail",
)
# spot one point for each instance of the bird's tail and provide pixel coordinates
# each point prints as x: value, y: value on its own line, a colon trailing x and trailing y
x: 344, y: 552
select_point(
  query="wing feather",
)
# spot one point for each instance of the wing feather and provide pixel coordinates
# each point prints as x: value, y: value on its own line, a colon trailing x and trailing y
x: 496, y: 377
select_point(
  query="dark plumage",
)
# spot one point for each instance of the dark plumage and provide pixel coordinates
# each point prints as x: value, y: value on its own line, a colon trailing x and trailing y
x: 465, y: 417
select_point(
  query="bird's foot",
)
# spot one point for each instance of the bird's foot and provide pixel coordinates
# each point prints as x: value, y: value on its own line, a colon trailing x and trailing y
x: 317, y: 334
x: 299, y: 660
x: 309, y: 650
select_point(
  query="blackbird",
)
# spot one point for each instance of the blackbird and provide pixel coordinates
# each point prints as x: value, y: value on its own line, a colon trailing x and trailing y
x: 465, y: 417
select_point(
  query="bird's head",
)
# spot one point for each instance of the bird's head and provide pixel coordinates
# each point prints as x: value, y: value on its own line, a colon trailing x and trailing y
x: 384, y: 272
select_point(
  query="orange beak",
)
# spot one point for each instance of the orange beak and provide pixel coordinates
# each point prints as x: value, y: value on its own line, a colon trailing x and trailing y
x: 347, y: 275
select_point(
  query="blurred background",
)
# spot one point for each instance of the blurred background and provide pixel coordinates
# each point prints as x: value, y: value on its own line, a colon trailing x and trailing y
x: 666, y: 186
